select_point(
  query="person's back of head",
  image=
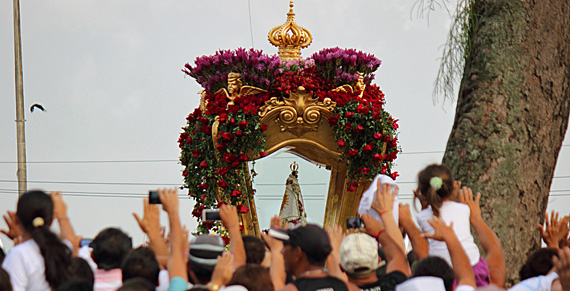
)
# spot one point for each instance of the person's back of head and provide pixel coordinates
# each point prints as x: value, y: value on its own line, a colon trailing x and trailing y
x: 538, y: 264
x: 203, y: 256
x: 253, y: 277
x: 137, y: 284
x: 435, y: 183
x: 141, y: 262
x: 254, y: 249
x: 359, y: 256
x: 435, y: 267
x: 110, y: 247
x: 76, y: 284
x: 80, y: 269
x: 5, y: 283
x: 35, y: 213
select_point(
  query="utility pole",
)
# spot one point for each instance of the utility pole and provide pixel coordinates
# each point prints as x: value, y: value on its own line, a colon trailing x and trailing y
x: 20, y: 119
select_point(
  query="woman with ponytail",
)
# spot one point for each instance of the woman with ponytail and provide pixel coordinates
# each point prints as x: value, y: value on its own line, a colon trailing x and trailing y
x: 42, y: 261
x: 438, y: 194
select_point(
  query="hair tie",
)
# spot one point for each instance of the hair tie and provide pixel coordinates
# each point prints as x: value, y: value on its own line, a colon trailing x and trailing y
x: 436, y: 183
x: 38, y: 221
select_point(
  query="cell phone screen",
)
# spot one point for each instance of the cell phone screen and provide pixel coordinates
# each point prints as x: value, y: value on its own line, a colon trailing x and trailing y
x: 353, y: 222
x: 153, y: 197
x: 211, y: 215
x: 85, y: 242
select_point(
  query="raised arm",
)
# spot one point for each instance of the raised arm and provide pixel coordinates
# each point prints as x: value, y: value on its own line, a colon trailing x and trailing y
x: 277, y: 269
x: 555, y: 230
x: 420, y: 245
x: 176, y: 264
x: 150, y: 225
x: 230, y: 220
x: 384, y: 204
x: 489, y: 241
x: 395, y: 256
x: 65, y: 228
x: 336, y: 237
x: 461, y: 265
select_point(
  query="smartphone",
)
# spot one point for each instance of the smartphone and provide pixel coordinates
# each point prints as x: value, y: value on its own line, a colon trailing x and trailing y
x: 354, y: 222
x: 153, y: 197
x: 210, y: 215
x: 85, y: 242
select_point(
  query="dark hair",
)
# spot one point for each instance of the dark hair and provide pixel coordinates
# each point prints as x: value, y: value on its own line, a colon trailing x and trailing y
x: 434, y: 197
x: 254, y: 249
x: 37, y: 205
x: 141, y: 263
x: 110, y: 247
x: 5, y: 283
x: 537, y: 264
x: 76, y: 284
x: 80, y: 269
x: 435, y: 267
x: 253, y: 277
x: 137, y: 284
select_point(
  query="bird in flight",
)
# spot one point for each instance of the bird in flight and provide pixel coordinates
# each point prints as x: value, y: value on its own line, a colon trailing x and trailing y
x: 38, y: 106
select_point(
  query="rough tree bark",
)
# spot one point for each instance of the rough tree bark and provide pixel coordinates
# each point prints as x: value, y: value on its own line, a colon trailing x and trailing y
x: 512, y: 114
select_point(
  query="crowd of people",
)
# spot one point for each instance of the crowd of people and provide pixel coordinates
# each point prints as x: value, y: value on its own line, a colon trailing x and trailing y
x: 305, y: 258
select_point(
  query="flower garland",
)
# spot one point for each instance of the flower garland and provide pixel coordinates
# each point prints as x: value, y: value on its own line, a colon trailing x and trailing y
x: 216, y: 171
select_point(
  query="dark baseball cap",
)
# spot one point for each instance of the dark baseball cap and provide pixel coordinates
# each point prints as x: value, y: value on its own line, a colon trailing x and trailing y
x: 311, y: 238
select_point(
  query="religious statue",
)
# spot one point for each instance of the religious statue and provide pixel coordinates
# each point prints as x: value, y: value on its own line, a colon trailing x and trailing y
x: 359, y: 86
x: 292, y: 210
x: 236, y: 89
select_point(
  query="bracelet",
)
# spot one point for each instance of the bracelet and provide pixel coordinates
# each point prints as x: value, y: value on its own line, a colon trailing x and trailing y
x: 384, y: 212
x: 379, y: 233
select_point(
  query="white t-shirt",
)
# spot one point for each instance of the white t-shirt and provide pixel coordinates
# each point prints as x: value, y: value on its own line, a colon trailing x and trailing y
x: 458, y: 214
x: 26, y: 267
x: 540, y: 283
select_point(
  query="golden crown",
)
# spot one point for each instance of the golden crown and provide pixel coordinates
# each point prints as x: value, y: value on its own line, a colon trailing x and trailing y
x: 290, y: 37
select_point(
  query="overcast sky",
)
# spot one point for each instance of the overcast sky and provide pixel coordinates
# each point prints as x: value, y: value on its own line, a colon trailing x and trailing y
x: 109, y: 75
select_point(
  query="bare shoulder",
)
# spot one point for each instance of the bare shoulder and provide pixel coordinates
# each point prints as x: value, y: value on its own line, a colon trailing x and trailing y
x: 290, y: 287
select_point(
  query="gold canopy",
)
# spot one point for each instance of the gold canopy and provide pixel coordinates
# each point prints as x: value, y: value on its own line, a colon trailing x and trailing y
x: 290, y: 37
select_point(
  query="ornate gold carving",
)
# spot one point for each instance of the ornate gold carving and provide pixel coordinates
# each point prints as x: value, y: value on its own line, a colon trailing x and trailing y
x: 290, y: 37
x: 299, y: 113
x: 236, y: 88
x: 358, y: 87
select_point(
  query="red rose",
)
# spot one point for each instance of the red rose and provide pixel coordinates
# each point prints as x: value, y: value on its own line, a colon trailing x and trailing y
x: 363, y: 171
x: 263, y: 127
x: 376, y: 116
x: 221, y: 147
x: 227, y: 136
x: 341, y: 143
x: 189, y: 140
x: 377, y: 157
x: 238, y: 133
x: 235, y: 164
x: 232, y: 121
x: 228, y: 158
x: 347, y: 126
x: 367, y: 148
x: 362, y: 109
x: 236, y: 193
x: 333, y: 120
x: 394, y: 175
x: 223, y: 184
x: 222, y: 171
x: 358, y: 128
x: 207, y: 129
x: 352, y: 153
x: 196, y: 153
x: 203, y: 164
x: 203, y: 186
x: 203, y: 197
x: 349, y: 115
x: 223, y: 117
x: 243, y: 209
x: 240, y: 227
x: 242, y: 124
x: 395, y: 124
x: 263, y: 154
x: 220, y: 204
x: 243, y: 157
x: 185, y: 173
x: 386, y: 138
x: 226, y: 240
x: 377, y: 135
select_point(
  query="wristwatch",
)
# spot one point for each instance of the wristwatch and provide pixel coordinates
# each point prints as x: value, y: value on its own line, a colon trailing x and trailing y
x: 212, y: 286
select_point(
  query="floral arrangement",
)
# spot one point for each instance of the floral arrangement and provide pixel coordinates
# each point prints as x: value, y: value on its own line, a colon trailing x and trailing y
x: 216, y: 171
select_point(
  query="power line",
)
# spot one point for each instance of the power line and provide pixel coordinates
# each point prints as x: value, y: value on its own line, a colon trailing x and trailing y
x: 96, y: 183
x: 93, y: 162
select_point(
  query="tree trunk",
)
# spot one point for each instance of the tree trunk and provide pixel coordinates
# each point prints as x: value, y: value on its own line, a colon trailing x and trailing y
x: 512, y: 114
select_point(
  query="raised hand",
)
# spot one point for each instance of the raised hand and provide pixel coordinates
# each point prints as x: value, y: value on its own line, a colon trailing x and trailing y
x: 59, y: 207
x: 384, y: 198
x: 229, y: 216
x: 150, y: 222
x: 404, y: 215
x: 13, y: 231
x: 562, y: 266
x: 169, y: 199
x: 371, y: 226
x: 336, y: 235
x: 441, y: 230
x: 466, y: 197
x: 418, y: 195
x: 554, y: 230
x: 223, y: 271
